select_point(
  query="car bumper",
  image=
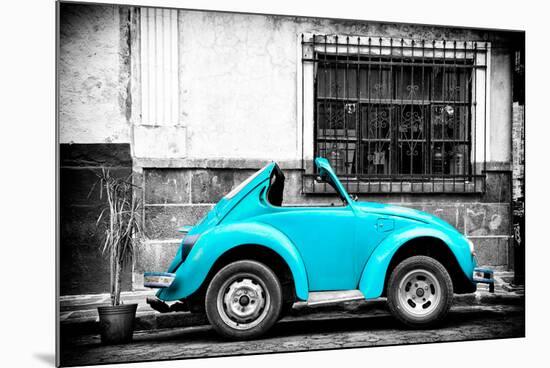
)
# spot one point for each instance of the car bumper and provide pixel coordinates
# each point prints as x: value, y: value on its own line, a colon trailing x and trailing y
x: 158, y: 280
x: 484, y: 276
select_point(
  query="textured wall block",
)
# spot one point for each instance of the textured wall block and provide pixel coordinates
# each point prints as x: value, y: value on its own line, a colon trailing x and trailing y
x: 163, y: 222
x: 155, y: 256
x: 491, y: 251
x: 209, y: 186
x: 498, y: 189
x: 487, y: 219
x: 444, y: 212
x: 167, y: 186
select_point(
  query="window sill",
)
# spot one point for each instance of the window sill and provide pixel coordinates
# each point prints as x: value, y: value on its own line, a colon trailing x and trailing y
x: 475, y: 185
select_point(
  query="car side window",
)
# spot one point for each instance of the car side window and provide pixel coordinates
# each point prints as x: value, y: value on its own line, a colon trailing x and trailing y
x: 276, y: 188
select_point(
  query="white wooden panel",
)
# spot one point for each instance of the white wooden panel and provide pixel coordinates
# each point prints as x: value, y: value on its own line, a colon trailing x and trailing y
x: 159, y: 66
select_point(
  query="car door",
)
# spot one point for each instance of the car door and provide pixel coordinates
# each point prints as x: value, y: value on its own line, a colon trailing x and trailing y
x: 325, y: 238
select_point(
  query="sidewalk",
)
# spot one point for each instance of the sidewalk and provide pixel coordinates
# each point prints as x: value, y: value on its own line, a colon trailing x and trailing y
x: 78, y: 313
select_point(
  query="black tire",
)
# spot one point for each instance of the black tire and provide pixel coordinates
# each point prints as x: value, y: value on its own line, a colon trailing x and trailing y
x: 420, y: 292
x: 235, y: 297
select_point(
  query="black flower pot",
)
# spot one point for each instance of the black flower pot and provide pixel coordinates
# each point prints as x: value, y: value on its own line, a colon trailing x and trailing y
x: 116, y: 324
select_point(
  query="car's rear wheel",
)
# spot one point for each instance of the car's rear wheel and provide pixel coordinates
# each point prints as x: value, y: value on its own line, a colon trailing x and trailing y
x: 243, y: 300
x: 420, y: 292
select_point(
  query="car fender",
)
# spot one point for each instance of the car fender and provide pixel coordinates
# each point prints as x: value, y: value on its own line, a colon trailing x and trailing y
x: 215, y: 242
x: 373, y: 276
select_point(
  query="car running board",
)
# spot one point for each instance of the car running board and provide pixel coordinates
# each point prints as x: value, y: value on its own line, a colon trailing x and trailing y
x: 331, y: 297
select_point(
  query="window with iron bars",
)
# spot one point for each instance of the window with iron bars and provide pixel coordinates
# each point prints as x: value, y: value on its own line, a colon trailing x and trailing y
x: 397, y: 115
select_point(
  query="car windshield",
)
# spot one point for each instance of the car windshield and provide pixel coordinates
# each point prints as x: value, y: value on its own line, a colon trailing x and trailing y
x: 239, y: 187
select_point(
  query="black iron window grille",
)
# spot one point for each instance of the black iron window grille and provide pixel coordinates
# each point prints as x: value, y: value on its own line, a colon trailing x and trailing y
x: 398, y: 115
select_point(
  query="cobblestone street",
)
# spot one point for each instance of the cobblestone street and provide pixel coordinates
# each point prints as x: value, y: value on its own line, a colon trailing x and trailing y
x: 310, y: 331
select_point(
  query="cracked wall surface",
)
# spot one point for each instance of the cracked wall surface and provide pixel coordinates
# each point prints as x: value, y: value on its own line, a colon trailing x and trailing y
x: 93, y: 75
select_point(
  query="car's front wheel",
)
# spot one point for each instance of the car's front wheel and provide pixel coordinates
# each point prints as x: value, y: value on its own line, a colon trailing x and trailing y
x: 420, y: 292
x: 243, y: 300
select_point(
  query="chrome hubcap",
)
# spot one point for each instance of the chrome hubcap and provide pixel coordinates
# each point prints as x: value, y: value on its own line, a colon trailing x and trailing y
x: 419, y: 293
x: 243, y: 301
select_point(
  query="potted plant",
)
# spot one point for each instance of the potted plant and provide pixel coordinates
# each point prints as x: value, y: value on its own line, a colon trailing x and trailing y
x: 123, y: 231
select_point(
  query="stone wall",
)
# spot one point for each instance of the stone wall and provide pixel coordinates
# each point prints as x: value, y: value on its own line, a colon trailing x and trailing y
x: 177, y: 197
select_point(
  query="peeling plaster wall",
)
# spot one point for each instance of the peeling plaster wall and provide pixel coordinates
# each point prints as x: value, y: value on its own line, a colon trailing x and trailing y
x: 93, y: 75
x: 238, y: 86
x: 238, y: 76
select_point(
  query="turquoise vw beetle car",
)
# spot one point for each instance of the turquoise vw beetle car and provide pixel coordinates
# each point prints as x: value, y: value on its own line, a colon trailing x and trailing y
x: 252, y: 257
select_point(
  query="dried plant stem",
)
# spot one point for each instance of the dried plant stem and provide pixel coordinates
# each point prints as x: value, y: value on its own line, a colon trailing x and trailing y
x: 124, y: 229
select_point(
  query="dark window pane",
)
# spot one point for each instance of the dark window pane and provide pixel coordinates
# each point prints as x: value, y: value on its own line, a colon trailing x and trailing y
x: 375, y: 83
x: 337, y: 81
x: 375, y: 121
x: 450, y: 122
x: 411, y: 138
x: 412, y: 83
x: 336, y: 118
x: 450, y: 159
x: 451, y: 84
x: 341, y: 156
x: 395, y: 116
x: 376, y: 158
